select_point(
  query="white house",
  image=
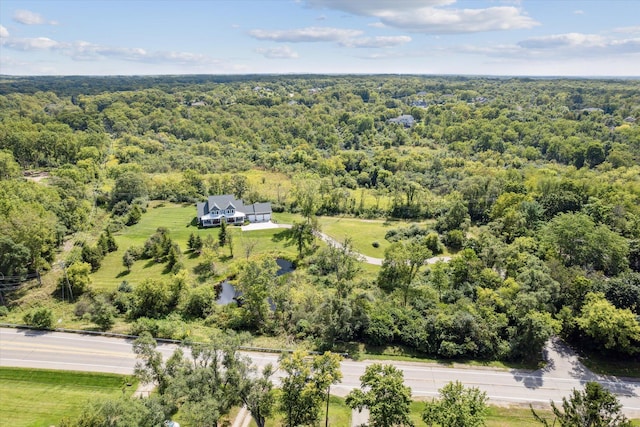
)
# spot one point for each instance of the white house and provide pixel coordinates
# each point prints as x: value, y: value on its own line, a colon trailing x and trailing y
x: 232, y: 211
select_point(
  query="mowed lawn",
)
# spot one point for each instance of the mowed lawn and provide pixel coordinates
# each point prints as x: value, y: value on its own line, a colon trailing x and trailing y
x: 37, y: 398
x: 178, y: 220
x: 363, y: 232
x: 339, y: 414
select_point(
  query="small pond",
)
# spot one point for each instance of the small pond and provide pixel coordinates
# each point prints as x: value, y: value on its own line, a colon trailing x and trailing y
x: 228, y: 293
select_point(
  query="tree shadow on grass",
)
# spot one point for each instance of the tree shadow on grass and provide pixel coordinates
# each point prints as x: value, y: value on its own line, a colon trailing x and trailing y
x: 123, y: 273
x: 150, y: 263
x: 282, y: 235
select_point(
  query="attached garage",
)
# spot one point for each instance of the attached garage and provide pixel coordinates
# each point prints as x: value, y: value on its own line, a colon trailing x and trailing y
x: 259, y: 212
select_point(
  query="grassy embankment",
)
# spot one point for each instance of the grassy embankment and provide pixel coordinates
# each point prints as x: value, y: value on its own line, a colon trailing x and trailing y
x: 37, y: 398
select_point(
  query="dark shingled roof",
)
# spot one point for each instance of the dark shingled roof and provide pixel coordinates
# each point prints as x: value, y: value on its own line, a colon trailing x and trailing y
x: 222, y: 201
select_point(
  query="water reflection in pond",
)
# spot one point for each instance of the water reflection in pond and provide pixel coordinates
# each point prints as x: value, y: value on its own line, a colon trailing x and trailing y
x: 228, y: 293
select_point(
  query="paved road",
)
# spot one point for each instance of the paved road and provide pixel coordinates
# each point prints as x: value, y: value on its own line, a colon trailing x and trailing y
x: 56, y: 350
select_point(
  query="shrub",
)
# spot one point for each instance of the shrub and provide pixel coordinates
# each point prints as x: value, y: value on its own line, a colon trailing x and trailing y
x: 125, y: 287
x: 40, y: 317
x: 77, y: 278
x: 3, y: 311
x: 103, y: 313
x: 134, y: 215
x: 454, y: 239
x: 200, y: 302
x: 375, y: 244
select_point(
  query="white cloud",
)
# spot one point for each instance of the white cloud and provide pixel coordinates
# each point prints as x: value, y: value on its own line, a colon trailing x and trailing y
x: 374, y: 7
x: 4, y: 32
x: 85, y: 51
x: 376, y: 42
x: 309, y: 34
x: 27, y: 17
x: 26, y: 44
x: 627, y: 30
x: 432, y: 16
x: 558, y: 46
x: 377, y: 25
x: 444, y: 21
x: 564, y: 40
x: 578, y: 12
x: 280, y: 52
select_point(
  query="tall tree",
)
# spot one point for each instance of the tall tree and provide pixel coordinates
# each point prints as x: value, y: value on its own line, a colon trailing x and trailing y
x: 386, y: 396
x: 301, y: 235
x: 458, y: 407
x: 305, y: 385
x: 594, y: 406
x: 255, y: 281
x: 306, y: 195
x: 222, y: 234
x: 614, y: 328
x: 401, y: 264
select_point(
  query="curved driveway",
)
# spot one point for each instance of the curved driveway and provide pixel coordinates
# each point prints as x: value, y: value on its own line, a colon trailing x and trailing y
x: 57, y: 350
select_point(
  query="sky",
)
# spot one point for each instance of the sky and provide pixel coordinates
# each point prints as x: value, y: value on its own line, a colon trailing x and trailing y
x: 461, y: 37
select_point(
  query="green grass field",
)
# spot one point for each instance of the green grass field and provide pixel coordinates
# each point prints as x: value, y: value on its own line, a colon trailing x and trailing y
x: 37, y: 398
x: 339, y: 415
x: 363, y: 232
x: 178, y: 218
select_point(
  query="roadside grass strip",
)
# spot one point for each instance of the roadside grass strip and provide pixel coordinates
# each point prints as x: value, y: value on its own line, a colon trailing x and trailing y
x: 34, y: 397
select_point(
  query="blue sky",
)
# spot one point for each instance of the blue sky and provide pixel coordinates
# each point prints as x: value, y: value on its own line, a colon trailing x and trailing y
x: 493, y: 37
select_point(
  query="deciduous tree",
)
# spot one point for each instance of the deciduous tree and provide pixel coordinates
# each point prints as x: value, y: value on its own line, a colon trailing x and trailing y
x: 305, y: 385
x: 458, y: 407
x: 593, y: 407
x: 383, y: 392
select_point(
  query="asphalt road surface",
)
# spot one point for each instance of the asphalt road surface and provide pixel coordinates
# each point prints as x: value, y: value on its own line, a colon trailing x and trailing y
x: 563, y: 372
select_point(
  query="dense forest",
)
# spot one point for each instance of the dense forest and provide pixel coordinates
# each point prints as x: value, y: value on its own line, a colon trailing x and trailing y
x: 531, y: 186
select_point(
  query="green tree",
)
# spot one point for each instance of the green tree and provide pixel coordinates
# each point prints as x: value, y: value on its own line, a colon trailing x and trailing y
x: 577, y: 240
x: 174, y: 256
x: 103, y: 312
x: 9, y: 168
x: 153, y: 298
x: 14, y: 257
x: 595, y: 406
x: 76, y: 279
x: 458, y: 407
x: 41, y: 317
x: 300, y: 234
x: 255, y: 391
x: 93, y: 256
x: 222, y: 234
x: 532, y: 332
x: 240, y: 185
x: 617, y: 329
x: 120, y: 412
x: 438, y: 277
x: 135, y: 214
x: 306, y: 196
x: 150, y: 366
x: 386, y: 396
x: 128, y: 186
x: 128, y: 259
x: 402, y: 262
x: 455, y: 217
x: 255, y: 281
x: 305, y: 386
